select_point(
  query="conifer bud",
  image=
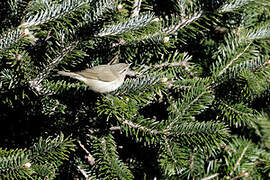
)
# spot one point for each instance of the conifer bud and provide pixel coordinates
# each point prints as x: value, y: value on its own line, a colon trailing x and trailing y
x: 245, y: 174
x: 29, y: 34
x: 119, y: 7
x: 267, y: 63
x: 18, y: 57
x: 163, y: 80
x: 155, y: 20
x: 27, y: 165
x: 166, y: 39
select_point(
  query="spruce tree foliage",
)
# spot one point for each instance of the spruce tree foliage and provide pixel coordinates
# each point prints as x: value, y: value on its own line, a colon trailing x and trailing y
x: 195, y: 104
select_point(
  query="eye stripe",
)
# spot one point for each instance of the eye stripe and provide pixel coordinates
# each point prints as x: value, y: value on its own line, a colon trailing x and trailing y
x: 123, y: 71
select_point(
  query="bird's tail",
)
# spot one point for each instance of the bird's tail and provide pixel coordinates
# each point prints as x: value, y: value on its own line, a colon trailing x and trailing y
x: 71, y: 74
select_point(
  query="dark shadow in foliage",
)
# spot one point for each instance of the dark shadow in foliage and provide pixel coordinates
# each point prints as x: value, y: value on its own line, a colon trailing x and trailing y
x: 79, y: 110
x: 21, y: 122
x: 140, y: 159
x: 157, y: 111
x: 163, y: 7
x: 231, y: 90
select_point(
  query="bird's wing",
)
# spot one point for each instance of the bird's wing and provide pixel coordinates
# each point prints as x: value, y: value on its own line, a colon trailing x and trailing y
x: 104, y: 74
x: 89, y: 74
x: 107, y: 76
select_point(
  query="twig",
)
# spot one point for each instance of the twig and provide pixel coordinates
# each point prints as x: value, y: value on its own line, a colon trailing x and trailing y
x: 239, y: 160
x: 35, y: 83
x: 233, y: 60
x: 83, y: 173
x: 183, y: 23
x: 262, y: 3
x: 136, y: 8
x: 137, y: 126
x: 191, y: 166
x: 115, y: 128
x: 89, y: 157
x: 145, y: 67
x: 210, y: 177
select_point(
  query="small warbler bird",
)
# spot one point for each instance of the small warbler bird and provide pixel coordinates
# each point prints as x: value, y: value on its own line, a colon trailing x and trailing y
x: 102, y: 78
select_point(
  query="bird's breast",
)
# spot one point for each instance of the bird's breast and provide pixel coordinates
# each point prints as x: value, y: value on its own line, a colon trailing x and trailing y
x: 102, y: 86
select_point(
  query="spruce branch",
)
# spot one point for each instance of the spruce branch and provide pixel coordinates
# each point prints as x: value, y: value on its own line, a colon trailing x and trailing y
x: 195, y: 101
x: 142, y: 128
x: 241, y: 157
x: 115, y: 128
x: 10, y: 38
x: 237, y: 114
x: 211, y: 177
x: 172, y: 29
x: 53, y: 11
x: 108, y: 160
x: 126, y: 26
x: 194, y: 127
x: 36, y: 82
x: 99, y: 9
x: 51, y: 150
x: 239, y: 160
x: 191, y: 164
x: 136, y: 8
x: 85, y: 170
x: 230, y: 62
x: 88, y: 156
x: 260, y: 32
x: 84, y: 173
x: 58, y: 87
x: 252, y: 65
x: 138, y: 83
x: 174, y: 60
x: 174, y: 159
x: 13, y: 164
x: 233, y: 5
x: 263, y: 2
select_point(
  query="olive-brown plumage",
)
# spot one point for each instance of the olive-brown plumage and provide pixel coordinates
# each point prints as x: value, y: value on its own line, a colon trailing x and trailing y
x: 102, y: 78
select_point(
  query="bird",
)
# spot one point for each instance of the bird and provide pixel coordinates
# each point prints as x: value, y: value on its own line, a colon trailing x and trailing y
x: 103, y: 78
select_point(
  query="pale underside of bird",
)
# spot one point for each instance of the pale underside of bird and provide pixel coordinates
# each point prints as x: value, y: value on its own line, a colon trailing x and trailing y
x: 102, y: 78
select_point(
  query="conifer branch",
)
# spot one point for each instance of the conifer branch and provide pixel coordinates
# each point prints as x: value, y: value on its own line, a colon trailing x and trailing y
x: 12, y: 164
x: 99, y: 9
x: 261, y: 32
x: 172, y: 103
x: 233, y: 60
x: 51, y: 150
x: 136, y: 8
x: 53, y: 11
x: 166, y: 64
x: 211, y: 177
x: 174, y: 159
x: 170, y: 152
x: 142, y: 128
x: 239, y: 160
x: 264, y: 3
x: 189, y: 107
x: 112, y: 166
x: 128, y: 25
x: 233, y: 5
x: 89, y: 157
x: 238, y: 114
x: 182, y: 23
x: 191, y: 163
x: 83, y: 172
x: 36, y: 82
x: 138, y: 83
x: 10, y: 38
